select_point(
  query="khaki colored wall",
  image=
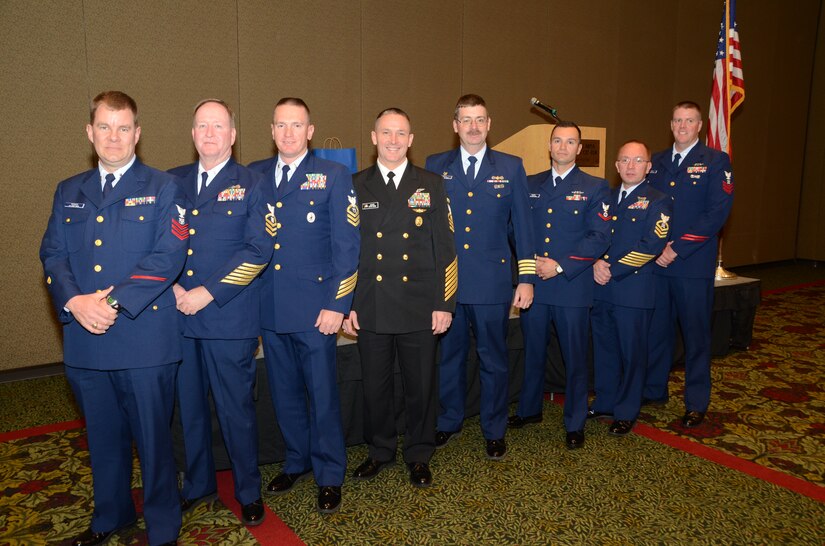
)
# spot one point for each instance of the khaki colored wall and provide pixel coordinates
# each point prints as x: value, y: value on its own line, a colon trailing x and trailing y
x: 614, y: 64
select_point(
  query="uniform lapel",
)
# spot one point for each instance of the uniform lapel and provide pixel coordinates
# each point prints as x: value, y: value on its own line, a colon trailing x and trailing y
x: 377, y: 188
x: 91, y: 188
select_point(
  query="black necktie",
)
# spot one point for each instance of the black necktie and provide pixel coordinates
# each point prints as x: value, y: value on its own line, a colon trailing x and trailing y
x: 390, y: 181
x: 676, y: 159
x: 109, y: 185
x: 471, y: 170
x: 202, y: 185
x: 622, y: 195
x: 284, y: 180
x: 557, y: 181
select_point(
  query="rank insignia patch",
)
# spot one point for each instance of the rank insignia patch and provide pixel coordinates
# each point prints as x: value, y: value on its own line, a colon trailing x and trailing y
x: 727, y: 184
x: 232, y: 193
x: 419, y: 201
x: 271, y: 223
x: 353, y: 216
x: 662, y: 226
x: 243, y: 274
x: 180, y: 228
x: 605, y: 213
x: 315, y: 181
x: 135, y: 201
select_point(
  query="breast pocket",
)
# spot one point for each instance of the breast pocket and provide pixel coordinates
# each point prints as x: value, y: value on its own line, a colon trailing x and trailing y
x: 75, y: 222
x: 312, y: 197
x: 138, y: 228
x: 498, y: 190
x: 228, y: 220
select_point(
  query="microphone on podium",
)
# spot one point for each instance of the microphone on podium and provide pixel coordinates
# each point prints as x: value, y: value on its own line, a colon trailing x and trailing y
x: 541, y: 106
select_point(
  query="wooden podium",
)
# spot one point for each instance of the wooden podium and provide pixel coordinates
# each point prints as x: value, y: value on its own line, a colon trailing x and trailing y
x: 531, y: 145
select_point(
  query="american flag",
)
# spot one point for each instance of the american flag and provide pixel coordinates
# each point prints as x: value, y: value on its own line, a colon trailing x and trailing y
x: 728, y: 90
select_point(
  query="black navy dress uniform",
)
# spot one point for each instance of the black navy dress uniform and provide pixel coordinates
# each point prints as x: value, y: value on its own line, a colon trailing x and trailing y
x: 229, y: 246
x: 408, y: 269
x: 134, y: 239
x: 571, y: 224
x: 622, y: 308
x: 313, y: 268
x: 484, y: 210
x: 702, y: 191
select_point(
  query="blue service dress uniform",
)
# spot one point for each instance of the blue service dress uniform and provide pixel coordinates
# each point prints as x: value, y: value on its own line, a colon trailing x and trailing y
x: 571, y: 224
x: 484, y: 211
x: 408, y: 270
x: 622, y: 308
x: 314, y: 267
x: 229, y: 246
x: 135, y: 239
x: 702, y: 191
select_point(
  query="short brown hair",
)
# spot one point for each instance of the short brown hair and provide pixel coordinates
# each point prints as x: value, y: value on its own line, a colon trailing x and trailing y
x: 688, y: 104
x: 116, y: 100
x: 468, y: 101
x: 216, y: 101
x: 563, y: 124
x: 293, y: 101
x: 393, y: 110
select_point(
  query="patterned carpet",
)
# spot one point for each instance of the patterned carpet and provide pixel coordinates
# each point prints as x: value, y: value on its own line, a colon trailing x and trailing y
x: 767, y: 411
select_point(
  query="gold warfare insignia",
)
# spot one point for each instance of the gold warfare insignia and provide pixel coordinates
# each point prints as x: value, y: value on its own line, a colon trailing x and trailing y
x: 451, y: 279
x: 527, y: 266
x: 636, y: 259
x: 353, y: 215
x: 271, y: 223
x: 347, y: 286
x: 243, y: 274
x: 662, y: 227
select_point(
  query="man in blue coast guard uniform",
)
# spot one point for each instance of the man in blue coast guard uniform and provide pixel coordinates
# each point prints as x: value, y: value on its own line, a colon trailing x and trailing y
x: 488, y: 194
x: 115, y: 242
x: 307, y: 290
x: 219, y: 294
x: 623, y: 298
x: 571, y: 223
x: 700, y: 180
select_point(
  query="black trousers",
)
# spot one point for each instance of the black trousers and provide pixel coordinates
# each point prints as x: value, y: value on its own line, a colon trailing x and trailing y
x: 416, y: 357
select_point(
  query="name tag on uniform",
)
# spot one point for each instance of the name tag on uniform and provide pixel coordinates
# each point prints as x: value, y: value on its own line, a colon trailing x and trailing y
x: 370, y: 205
x: 74, y: 205
x: 535, y: 195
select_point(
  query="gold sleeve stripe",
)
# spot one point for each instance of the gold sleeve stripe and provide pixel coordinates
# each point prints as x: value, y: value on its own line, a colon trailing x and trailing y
x: 347, y: 286
x: 527, y: 267
x: 243, y: 274
x: 450, y: 221
x: 636, y: 259
x: 451, y: 279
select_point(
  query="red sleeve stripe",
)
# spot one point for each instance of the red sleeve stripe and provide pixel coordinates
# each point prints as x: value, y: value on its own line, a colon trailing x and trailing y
x: 147, y: 278
x: 694, y: 238
x: 581, y: 258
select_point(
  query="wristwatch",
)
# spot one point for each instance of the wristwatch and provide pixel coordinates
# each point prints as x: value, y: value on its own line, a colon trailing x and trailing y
x: 112, y: 302
x: 559, y: 269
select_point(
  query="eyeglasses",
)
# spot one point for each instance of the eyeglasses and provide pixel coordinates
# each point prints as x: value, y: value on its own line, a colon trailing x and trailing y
x: 628, y: 160
x: 481, y: 120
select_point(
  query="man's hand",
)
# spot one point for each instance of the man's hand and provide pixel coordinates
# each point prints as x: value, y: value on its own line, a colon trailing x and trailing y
x: 179, y: 291
x: 546, y: 268
x: 351, y: 325
x: 441, y: 321
x: 329, y: 322
x: 601, y: 272
x: 194, y: 300
x: 524, y: 296
x: 92, y: 311
x: 667, y: 256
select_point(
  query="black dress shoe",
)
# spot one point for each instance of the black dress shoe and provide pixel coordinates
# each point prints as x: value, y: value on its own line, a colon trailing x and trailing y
x: 654, y: 401
x: 420, y: 475
x: 693, y: 418
x: 591, y: 414
x: 370, y: 469
x: 517, y: 421
x: 171, y: 543
x: 187, y: 505
x: 284, y: 482
x: 575, y: 439
x: 496, y: 449
x: 620, y: 428
x: 329, y: 499
x: 90, y: 538
x: 444, y: 438
x: 253, y: 513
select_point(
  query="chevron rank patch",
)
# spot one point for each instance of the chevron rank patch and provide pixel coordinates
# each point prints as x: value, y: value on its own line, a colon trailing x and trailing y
x: 727, y: 183
x: 662, y: 226
x: 243, y: 274
x: 451, y: 279
x: 605, y: 213
x: 353, y: 215
x: 347, y: 286
x: 271, y: 222
x: 180, y: 228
